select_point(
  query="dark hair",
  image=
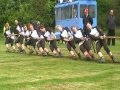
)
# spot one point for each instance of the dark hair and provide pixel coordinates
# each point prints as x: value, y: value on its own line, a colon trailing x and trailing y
x: 42, y: 26
x: 48, y: 29
x: 67, y: 29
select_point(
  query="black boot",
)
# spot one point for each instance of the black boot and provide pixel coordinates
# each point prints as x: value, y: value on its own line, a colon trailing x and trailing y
x: 31, y: 52
x: 102, y: 60
x: 48, y: 54
x: 60, y: 54
x: 93, y: 57
x: 79, y: 55
x: 43, y: 53
x: 113, y: 59
x: 20, y: 50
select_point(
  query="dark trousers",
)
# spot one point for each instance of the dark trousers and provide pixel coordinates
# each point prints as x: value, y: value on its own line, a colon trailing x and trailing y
x: 53, y: 45
x: 85, y: 46
x: 100, y: 44
x: 70, y: 45
x: 111, y: 33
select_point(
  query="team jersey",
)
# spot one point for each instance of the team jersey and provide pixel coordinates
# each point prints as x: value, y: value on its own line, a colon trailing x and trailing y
x: 79, y: 37
x: 66, y: 35
x: 94, y: 32
x: 19, y: 29
x: 78, y: 34
x: 50, y: 36
x: 9, y: 34
x: 36, y: 36
x: 25, y: 33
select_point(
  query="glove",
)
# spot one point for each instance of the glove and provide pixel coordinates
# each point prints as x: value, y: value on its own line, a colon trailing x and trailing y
x: 83, y: 38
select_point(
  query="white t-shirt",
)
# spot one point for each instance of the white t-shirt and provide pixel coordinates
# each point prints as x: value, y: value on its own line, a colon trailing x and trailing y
x: 67, y: 35
x: 94, y: 32
x: 36, y: 36
x: 19, y: 29
x: 49, y: 35
x: 78, y: 34
x: 11, y: 35
x: 25, y: 33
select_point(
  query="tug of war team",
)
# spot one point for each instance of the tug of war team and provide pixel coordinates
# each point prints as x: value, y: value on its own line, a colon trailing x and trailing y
x: 34, y: 36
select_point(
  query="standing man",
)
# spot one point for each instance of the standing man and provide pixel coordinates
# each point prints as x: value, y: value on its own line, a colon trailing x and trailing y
x: 111, y: 27
x: 86, y: 18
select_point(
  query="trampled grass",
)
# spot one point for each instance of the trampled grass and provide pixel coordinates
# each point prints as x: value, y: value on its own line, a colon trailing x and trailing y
x: 31, y: 72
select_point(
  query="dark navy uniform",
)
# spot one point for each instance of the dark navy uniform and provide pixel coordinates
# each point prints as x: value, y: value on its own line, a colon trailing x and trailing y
x: 50, y: 36
x: 9, y: 35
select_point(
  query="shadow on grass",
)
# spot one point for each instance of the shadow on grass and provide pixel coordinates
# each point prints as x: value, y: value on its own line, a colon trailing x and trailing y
x: 83, y: 59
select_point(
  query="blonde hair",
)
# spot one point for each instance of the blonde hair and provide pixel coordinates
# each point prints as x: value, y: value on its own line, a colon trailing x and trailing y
x: 57, y: 27
x: 6, y: 25
x: 28, y: 26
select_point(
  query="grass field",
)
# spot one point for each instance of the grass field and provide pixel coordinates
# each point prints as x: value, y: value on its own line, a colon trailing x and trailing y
x: 31, y: 72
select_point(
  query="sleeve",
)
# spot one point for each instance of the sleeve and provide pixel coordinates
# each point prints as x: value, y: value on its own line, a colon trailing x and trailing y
x: 46, y: 34
x: 91, y: 20
x: 64, y: 34
x: 83, y: 20
x: 4, y: 30
x: 100, y: 31
x: 78, y: 34
x: 18, y: 28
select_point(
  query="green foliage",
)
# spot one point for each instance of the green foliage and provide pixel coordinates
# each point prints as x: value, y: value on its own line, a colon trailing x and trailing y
x: 43, y: 10
x: 104, y: 7
x: 27, y: 10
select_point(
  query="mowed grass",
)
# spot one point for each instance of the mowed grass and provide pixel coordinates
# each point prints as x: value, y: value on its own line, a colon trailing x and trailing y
x: 32, y: 72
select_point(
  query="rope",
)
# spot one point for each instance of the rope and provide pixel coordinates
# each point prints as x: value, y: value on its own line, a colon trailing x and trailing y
x: 116, y: 37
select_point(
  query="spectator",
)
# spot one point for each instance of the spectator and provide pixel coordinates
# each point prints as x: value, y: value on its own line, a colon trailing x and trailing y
x: 86, y: 18
x: 111, y: 27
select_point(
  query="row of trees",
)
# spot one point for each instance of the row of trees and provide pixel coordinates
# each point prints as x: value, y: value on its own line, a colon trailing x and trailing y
x: 27, y: 10
x: 43, y: 10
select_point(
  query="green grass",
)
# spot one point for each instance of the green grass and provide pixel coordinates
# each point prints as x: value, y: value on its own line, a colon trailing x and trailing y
x: 31, y: 72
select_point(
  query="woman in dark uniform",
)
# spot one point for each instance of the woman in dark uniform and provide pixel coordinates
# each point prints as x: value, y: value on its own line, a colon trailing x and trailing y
x: 97, y: 35
x: 19, y: 37
x: 9, y: 35
x: 80, y: 39
x: 67, y: 37
x: 51, y: 38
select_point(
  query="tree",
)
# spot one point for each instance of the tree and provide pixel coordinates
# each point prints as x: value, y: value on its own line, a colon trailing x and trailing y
x: 44, y: 11
x: 104, y: 7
